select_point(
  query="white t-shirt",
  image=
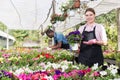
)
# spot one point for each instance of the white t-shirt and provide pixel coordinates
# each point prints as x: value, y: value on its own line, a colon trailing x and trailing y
x: 100, y: 32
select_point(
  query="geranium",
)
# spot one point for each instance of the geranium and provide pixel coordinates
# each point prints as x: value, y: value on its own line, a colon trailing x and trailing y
x: 74, y: 37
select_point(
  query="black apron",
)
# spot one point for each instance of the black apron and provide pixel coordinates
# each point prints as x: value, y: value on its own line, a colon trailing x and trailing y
x: 90, y: 54
x: 64, y: 46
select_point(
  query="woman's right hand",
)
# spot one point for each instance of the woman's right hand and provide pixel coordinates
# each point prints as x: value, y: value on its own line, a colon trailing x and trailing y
x: 90, y: 42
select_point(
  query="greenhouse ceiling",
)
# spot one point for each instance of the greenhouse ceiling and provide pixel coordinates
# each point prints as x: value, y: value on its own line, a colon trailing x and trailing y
x: 30, y: 14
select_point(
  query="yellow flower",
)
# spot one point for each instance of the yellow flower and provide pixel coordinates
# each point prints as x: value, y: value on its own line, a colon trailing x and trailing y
x: 1, y: 60
x: 13, y: 58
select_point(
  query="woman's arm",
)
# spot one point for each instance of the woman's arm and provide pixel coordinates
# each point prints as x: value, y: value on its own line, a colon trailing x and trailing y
x: 94, y: 41
x: 101, y: 42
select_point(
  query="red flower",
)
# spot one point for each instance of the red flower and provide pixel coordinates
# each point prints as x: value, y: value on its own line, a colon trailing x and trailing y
x: 47, y: 55
x: 43, y: 79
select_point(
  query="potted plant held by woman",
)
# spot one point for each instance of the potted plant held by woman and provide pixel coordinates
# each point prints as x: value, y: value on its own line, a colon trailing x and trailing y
x: 74, y: 38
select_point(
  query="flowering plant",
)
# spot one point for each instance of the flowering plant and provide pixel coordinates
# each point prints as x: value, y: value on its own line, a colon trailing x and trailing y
x: 74, y: 37
x: 58, y: 17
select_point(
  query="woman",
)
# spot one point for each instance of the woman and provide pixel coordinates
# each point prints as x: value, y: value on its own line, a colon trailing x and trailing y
x: 94, y: 36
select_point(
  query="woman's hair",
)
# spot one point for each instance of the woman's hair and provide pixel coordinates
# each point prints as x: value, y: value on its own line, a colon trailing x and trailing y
x: 91, y: 10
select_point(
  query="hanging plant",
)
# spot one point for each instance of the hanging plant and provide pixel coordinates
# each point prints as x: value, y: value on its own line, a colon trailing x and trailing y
x: 65, y: 7
x: 58, y: 17
x: 71, y: 4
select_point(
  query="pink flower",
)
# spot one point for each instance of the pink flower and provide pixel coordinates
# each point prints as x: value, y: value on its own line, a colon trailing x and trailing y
x: 22, y: 76
x: 66, y: 75
x: 56, y: 77
x: 6, y: 55
x: 35, y: 59
x: 96, y: 74
x: 42, y: 64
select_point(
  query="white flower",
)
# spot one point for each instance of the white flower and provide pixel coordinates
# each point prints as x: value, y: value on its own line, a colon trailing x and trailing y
x: 28, y: 70
x: 114, y: 71
x: 42, y: 70
x: 103, y: 73
x: 49, y: 77
x: 116, y: 79
x: 48, y: 48
x: 76, y: 67
x: 64, y: 67
x: 112, y: 67
x: 55, y: 66
x: 19, y: 71
x: 95, y: 66
x: 47, y: 67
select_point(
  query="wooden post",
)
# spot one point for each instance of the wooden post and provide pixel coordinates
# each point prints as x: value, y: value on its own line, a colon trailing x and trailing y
x: 53, y: 13
x: 53, y: 4
x: 118, y: 25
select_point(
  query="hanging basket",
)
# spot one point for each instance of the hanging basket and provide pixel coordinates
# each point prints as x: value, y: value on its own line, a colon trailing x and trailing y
x: 76, y: 4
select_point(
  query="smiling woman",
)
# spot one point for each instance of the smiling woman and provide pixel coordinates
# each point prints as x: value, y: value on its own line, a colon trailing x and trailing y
x: 94, y: 36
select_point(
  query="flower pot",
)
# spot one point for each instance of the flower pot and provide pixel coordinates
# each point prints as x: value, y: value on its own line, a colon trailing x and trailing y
x: 74, y: 46
x: 76, y: 4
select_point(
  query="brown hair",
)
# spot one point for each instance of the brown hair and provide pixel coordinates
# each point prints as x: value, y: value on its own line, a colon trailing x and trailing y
x: 91, y: 10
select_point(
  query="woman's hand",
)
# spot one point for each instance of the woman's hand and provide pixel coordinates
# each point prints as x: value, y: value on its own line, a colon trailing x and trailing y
x: 90, y: 42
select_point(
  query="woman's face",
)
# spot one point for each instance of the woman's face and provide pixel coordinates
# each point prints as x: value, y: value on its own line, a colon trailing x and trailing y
x: 90, y: 17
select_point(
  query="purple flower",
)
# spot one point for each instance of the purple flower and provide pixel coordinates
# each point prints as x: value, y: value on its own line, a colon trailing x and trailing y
x: 71, y: 33
x: 7, y: 74
x: 77, y: 32
x: 81, y: 73
x: 74, y: 37
x: 58, y: 72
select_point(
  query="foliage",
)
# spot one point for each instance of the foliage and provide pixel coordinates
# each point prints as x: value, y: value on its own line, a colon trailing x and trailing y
x: 25, y: 35
x: 25, y: 56
x: 3, y: 27
x: 112, y: 37
x: 19, y: 34
x: 109, y: 21
x: 113, y: 56
x: 31, y: 64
